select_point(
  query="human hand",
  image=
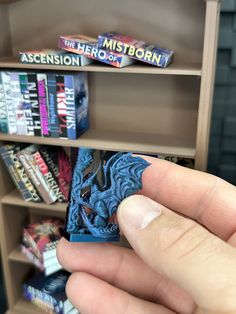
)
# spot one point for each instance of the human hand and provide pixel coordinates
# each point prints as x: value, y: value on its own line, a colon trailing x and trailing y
x: 184, y: 258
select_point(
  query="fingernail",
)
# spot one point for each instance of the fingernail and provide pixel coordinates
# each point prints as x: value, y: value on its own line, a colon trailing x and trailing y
x: 139, y: 211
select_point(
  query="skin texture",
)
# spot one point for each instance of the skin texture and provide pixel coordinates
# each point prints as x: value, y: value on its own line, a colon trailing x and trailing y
x: 183, y: 260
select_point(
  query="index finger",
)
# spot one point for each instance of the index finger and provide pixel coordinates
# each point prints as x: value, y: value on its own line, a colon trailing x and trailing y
x: 201, y: 196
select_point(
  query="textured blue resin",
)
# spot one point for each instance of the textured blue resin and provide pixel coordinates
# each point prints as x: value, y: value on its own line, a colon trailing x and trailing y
x: 95, y: 197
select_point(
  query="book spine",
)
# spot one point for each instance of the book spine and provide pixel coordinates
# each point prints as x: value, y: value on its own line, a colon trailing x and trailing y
x: 34, y: 100
x: 8, y: 155
x: 26, y: 104
x: 50, y: 179
x: 18, y: 104
x: 43, y: 103
x: 3, y: 108
x: 72, y: 127
x: 11, y: 113
x: 61, y: 106
x: 30, y: 255
x: 35, y: 174
x: 81, y: 102
x: 52, y: 156
x: 52, y: 98
x: 91, y: 51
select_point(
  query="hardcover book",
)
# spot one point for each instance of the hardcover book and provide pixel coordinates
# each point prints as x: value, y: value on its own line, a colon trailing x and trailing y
x: 49, y: 177
x: 34, y: 101
x: 53, y: 57
x: 3, y: 108
x: 52, y: 99
x: 77, y: 100
x: 42, y: 237
x: 8, y: 153
x: 26, y: 103
x: 88, y: 47
x: 11, y: 113
x: 33, y: 170
x: 61, y: 106
x: 18, y: 102
x: 49, y: 290
x: 43, y: 103
x: 136, y: 49
x: 59, y: 164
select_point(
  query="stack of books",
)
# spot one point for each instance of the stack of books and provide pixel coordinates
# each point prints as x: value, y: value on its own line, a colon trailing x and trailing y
x: 49, y: 293
x: 39, y: 242
x: 40, y: 173
x: 44, y: 104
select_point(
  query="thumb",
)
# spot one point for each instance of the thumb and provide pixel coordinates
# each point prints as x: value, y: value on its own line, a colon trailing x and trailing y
x: 182, y: 250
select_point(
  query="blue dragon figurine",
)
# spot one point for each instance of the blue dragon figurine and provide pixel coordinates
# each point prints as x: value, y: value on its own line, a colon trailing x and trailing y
x: 100, y: 182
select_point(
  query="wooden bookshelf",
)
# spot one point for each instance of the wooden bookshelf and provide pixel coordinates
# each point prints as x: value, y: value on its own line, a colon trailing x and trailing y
x: 138, y: 108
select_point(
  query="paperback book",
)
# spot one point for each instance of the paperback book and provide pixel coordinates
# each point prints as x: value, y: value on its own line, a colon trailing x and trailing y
x: 53, y: 57
x: 49, y: 292
x: 136, y: 49
x: 88, y: 47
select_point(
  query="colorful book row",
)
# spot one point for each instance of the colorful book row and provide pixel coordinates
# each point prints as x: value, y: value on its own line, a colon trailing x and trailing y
x: 44, y: 104
x: 40, y: 173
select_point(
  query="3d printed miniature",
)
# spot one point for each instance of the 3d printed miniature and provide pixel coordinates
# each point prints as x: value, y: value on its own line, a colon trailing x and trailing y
x: 101, y: 180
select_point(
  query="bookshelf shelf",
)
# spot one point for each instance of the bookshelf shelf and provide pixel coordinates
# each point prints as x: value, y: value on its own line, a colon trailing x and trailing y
x: 14, y: 198
x: 120, y: 141
x: 177, y: 68
x: 153, y: 111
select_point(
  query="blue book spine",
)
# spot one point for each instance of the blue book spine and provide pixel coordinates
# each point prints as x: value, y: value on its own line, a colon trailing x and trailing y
x: 72, y: 126
x: 52, y: 99
x: 81, y: 102
x: 3, y: 108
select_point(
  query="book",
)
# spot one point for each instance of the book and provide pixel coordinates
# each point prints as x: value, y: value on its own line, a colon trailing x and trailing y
x: 136, y: 49
x: 42, y: 237
x: 3, y: 108
x: 43, y: 103
x: 88, y: 46
x: 49, y: 290
x: 11, y: 113
x: 9, y: 155
x: 53, y: 57
x: 49, y: 177
x: 61, y: 106
x: 76, y: 91
x: 26, y: 103
x: 52, y: 99
x: 34, y: 101
x: 33, y: 171
x: 59, y: 164
x: 18, y: 102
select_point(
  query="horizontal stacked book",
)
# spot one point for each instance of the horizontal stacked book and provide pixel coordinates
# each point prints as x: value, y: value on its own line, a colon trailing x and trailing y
x: 44, y: 104
x: 40, y: 173
x: 39, y: 242
x: 49, y: 293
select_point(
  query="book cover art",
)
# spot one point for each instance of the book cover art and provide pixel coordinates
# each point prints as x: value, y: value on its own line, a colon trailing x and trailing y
x: 34, y: 101
x: 88, y: 47
x: 53, y: 57
x: 50, y: 289
x: 42, y: 237
x: 8, y: 153
x: 61, y: 106
x: 59, y: 164
x: 49, y: 177
x: 26, y: 103
x: 52, y: 99
x: 136, y: 49
x: 3, y: 108
x: 32, y: 169
x: 11, y: 112
x: 43, y: 103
